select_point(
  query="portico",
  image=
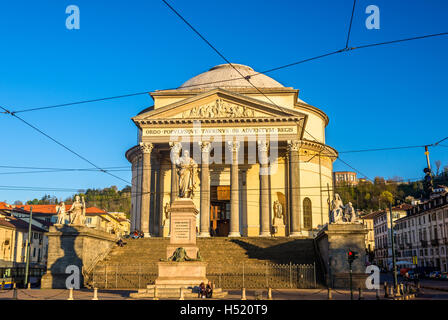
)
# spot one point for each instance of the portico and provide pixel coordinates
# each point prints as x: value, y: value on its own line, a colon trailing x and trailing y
x: 249, y: 153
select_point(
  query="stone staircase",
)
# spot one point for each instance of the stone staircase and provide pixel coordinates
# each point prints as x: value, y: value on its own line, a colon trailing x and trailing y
x: 135, y: 264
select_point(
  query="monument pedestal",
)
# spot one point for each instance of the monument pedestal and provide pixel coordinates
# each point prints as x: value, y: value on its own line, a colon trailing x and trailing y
x: 188, y: 274
x: 334, y: 242
x: 73, y: 245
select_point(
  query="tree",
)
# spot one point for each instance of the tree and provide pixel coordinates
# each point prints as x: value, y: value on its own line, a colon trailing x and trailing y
x: 387, y: 198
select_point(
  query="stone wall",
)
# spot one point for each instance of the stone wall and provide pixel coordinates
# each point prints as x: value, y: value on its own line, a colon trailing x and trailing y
x: 334, y: 241
x: 73, y: 245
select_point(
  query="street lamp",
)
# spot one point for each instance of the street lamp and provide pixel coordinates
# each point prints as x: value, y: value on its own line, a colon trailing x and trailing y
x: 394, y: 262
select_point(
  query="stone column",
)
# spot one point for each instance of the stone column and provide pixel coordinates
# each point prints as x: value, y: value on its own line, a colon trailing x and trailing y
x: 175, y: 149
x: 138, y: 219
x: 234, y: 190
x: 294, y: 173
x: 134, y: 193
x: 205, y: 189
x: 265, y: 229
x: 146, y: 149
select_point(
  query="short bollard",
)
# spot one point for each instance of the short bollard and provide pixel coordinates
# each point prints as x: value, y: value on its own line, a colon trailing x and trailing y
x: 156, y: 293
x: 269, y: 294
x: 391, y: 291
x: 181, y: 294
x: 95, y: 294
x: 243, y: 294
x: 397, y: 290
x: 359, y: 294
x: 14, y: 294
x: 330, y: 297
x: 70, y: 296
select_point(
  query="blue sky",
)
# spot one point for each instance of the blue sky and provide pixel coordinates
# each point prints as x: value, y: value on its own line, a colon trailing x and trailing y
x: 378, y: 97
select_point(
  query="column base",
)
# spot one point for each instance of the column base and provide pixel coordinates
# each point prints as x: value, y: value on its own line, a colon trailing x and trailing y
x: 296, y: 234
x: 204, y: 235
x: 265, y: 234
x: 234, y: 235
x: 146, y: 235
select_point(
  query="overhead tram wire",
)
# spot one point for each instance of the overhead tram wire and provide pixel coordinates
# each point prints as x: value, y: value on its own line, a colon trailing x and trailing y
x: 350, y: 27
x: 63, y: 145
x: 232, y: 79
x: 247, y: 78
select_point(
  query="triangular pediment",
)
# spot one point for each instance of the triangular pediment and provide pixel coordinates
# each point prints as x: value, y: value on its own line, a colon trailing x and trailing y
x: 219, y: 104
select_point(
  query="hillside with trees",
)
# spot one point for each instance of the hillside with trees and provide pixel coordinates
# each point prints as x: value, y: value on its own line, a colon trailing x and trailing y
x: 367, y: 195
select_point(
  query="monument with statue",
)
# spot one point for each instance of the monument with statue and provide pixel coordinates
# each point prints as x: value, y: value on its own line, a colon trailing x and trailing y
x: 183, y: 268
x: 344, y: 233
x: 73, y: 246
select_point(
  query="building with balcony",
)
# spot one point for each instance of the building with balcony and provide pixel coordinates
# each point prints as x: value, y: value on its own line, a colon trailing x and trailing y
x: 382, y: 232
x: 422, y: 235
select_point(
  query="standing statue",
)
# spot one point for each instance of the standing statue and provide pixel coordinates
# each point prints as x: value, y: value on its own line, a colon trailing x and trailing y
x: 186, y: 169
x: 278, y: 213
x: 62, y: 215
x: 337, y: 209
x: 167, y: 210
x: 78, y: 211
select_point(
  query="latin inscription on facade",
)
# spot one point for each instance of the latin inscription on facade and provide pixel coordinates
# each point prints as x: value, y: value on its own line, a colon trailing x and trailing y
x: 213, y: 131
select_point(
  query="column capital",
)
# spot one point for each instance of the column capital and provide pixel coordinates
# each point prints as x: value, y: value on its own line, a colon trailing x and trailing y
x: 175, y: 146
x: 263, y: 145
x: 146, y: 147
x: 206, y: 146
x: 294, y: 145
x: 233, y: 146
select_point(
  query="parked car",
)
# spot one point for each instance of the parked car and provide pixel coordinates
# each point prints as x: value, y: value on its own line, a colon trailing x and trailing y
x: 435, y: 275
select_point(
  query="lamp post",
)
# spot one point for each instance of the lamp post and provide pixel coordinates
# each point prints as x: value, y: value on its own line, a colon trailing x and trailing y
x: 28, y: 248
x: 394, y: 263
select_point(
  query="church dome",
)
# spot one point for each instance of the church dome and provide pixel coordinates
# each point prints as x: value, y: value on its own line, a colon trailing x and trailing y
x: 224, y: 75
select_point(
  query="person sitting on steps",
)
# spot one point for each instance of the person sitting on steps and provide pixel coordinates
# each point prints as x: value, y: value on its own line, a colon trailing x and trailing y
x: 209, y: 290
x: 202, y: 291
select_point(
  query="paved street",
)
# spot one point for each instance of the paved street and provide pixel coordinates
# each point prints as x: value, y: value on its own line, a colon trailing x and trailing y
x: 284, y: 294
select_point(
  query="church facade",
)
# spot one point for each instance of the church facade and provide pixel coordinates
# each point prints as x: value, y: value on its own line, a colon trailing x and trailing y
x: 263, y: 168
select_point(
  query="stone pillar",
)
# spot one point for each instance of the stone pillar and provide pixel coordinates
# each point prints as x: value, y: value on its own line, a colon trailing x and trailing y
x: 265, y: 228
x: 205, y: 189
x: 175, y: 149
x: 294, y: 173
x: 138, y: 219
x: 134, y: 191
x: 234, y: 190
x: 146, y: 149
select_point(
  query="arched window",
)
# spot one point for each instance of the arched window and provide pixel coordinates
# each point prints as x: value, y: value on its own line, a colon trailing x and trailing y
x: 307, y: 214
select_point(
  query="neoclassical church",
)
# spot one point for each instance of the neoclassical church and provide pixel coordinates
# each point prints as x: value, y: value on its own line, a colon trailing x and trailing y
x: 263, y: 167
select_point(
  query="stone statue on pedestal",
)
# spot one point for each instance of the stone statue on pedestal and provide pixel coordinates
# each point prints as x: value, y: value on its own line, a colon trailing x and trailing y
x: 340, y: 213
x: 349, y: 213
x: 186, y: 169
x: 337, y: 209
x: 62, y: 215
x: 78, y: 211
